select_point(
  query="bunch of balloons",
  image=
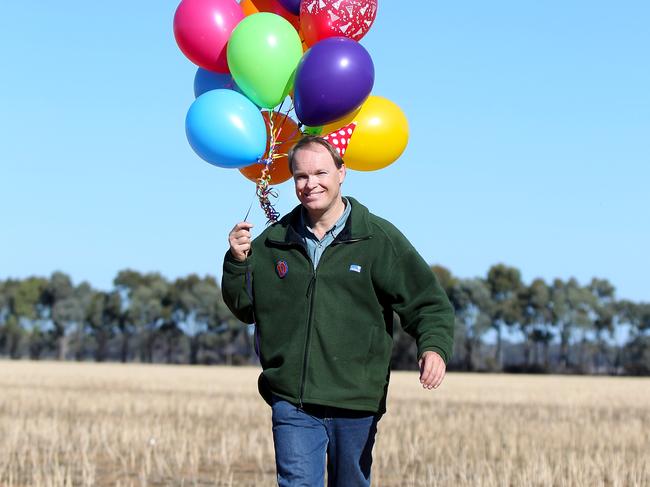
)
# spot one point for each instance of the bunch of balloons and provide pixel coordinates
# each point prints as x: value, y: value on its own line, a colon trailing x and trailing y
x: 254, y: 54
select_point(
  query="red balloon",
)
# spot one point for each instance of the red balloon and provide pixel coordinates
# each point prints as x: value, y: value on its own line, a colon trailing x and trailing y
x: 320, y: 19
x: 202, y: 29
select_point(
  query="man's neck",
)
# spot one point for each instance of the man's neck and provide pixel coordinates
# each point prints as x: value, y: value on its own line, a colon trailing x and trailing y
x: 321, y: 222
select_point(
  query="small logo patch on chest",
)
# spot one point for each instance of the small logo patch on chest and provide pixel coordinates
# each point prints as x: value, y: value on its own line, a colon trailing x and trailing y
x: 281, y: 268
x: 355, y: 268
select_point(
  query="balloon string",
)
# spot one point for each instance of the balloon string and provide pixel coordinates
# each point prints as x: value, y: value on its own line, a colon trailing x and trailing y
x: 285, y: 115
x: 249, y: 210
x: 274, y: 134
x: 263, y: 190
x: 293, y: 135
x: 280, y: 107
x: 265, y: 193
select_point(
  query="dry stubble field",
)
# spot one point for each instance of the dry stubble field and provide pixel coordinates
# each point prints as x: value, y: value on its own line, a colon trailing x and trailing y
x: 110, y: 424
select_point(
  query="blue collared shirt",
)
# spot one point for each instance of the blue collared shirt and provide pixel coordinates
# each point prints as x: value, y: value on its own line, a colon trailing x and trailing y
x: 316, y: 247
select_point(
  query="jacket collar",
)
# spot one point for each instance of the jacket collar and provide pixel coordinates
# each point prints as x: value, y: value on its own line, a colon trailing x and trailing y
x: 357, y: 226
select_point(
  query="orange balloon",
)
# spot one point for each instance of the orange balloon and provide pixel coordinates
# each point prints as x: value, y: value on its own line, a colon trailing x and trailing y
x: 251, y: 7
x: 305, y: 47
x: 288, y: 134
x: 248, y: 7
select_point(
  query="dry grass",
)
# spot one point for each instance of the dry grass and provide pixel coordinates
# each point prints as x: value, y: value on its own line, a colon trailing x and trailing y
x: 85, y: 424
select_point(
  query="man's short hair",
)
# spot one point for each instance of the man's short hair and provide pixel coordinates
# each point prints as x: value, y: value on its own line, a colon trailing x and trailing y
x: 314, y: 139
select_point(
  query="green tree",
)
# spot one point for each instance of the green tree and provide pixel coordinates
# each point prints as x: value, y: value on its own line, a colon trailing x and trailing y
x: 149, y: 305
x: 82, y: 297
x: 4, y: 310
x: 11, y: 333
x: 125, y: 284
x: 200, y: 310
x: 603, y: 309
x: 473, y: 308
x: 103, y: 318
x: 58, y: 299
x: 534, y: 303
x: 504, y: 283
x: 636, y: 353
x: 570, y: 306
x: 22, y: 313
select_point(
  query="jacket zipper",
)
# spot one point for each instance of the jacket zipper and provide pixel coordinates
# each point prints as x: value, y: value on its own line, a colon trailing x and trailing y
x: 311, y: 291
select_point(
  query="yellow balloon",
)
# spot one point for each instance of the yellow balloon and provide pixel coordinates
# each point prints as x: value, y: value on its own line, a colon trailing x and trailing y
x: 380, y: 137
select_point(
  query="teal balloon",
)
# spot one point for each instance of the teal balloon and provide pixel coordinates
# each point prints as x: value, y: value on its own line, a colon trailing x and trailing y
x: 226, y: 129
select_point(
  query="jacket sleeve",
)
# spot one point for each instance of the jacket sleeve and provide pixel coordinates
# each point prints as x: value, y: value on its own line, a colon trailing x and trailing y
x: 237, y: 287
x: 422, y: 305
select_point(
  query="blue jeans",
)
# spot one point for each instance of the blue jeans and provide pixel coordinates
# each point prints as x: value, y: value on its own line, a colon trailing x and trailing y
x: 305, y: 438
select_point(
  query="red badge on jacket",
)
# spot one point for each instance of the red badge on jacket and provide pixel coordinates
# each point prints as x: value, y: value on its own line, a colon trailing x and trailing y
x: 281, y: 268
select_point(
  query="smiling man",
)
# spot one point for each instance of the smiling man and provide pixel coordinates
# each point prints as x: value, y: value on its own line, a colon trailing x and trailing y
x: 322, y: 285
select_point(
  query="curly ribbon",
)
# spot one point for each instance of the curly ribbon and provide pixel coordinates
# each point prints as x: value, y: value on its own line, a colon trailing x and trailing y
x: 264, y: 191
x: 263, y: 188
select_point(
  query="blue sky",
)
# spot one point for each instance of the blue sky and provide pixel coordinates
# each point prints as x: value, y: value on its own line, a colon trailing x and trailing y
x: 530, y: 141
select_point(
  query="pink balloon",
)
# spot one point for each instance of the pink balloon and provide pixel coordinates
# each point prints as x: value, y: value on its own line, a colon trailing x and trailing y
x: 202, y: 29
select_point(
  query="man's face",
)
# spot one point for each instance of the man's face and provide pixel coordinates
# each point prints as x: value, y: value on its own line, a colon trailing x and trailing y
x: 316, y: 177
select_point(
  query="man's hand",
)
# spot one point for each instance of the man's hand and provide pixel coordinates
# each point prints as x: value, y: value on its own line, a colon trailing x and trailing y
x: 432, y: 370
x: 240, y: 240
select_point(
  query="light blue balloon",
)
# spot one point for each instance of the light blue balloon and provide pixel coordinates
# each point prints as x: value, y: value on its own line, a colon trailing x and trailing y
x: 226, y: 129
x: 205, y: 80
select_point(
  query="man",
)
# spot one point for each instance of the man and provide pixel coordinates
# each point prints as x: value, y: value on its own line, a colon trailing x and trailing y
x: 321, y: 285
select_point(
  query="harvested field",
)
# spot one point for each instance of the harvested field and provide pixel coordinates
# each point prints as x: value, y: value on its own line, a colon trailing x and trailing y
x: 112, y: 424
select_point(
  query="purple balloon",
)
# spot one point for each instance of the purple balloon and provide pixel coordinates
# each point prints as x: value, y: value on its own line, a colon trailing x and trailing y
x: 333, y: 78
x: 292, y: 6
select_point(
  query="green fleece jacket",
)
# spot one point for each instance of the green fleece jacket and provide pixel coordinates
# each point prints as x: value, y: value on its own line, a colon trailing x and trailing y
x: 325, y: 334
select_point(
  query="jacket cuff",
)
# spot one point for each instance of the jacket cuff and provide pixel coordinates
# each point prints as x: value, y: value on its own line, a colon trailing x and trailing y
x: 233, y: 266
x: 433, y: 348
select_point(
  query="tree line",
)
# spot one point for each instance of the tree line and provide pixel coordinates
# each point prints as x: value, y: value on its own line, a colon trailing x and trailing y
x: 502, y: 323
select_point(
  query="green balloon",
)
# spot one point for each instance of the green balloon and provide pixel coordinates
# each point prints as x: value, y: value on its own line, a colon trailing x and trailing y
x: 263, y: 53
x: 312, y: 130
